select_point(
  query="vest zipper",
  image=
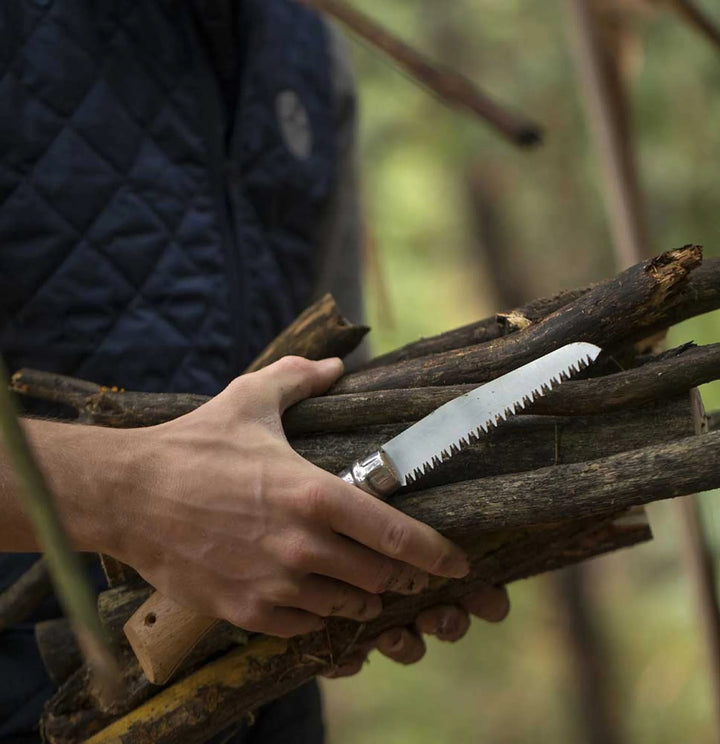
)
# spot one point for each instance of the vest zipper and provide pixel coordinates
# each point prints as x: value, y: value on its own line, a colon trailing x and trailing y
x: 213, y: 118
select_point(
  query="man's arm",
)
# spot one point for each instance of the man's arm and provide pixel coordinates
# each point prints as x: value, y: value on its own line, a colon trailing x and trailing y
x: 218, y: 512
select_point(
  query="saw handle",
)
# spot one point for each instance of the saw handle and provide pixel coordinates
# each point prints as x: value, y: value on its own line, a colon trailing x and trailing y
x: 162, y: 633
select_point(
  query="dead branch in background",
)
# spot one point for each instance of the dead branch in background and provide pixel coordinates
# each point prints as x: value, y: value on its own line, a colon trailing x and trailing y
x: 448, y: 85
x: 698, y: 19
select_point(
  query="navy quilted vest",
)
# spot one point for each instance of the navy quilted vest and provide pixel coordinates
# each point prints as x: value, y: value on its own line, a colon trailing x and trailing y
x: 163, y: 168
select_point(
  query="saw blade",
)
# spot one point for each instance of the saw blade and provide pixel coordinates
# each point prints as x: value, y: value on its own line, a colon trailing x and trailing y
x: 454, y: 425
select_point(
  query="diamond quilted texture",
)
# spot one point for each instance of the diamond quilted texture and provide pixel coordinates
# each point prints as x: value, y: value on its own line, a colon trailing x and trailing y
x: 78, y: 183
x: 32, y: 237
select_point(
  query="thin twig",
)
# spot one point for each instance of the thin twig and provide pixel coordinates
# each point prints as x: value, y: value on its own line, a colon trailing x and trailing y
x: 698, y: 20
x: 66, y: 568
x: 448, y: 85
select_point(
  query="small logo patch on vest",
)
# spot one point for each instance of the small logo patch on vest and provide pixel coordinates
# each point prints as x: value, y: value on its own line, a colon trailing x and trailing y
x: 294, y: 124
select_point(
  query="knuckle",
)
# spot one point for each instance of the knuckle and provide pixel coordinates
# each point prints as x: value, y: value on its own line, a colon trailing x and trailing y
x: 442, y: 563
x: 313, y: 501
x: 338, y: 601
x: 284, y: 593
x: 385, y: 578
x: 253, y: 616
x: 395, y: 539
x: 293, y: 363
x: 297, y: 554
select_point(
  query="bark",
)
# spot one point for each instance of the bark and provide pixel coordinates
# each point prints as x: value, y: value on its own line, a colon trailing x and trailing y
x: 699, y: 295
x: 605, y: 315
x: 572, y: 491
x: 521, y: 443
x: 668, y: 375
x: 58, y: 648
x: 221, y: 692
x: 25, y: 595
x: 662, y: 377
x: 319, y: 332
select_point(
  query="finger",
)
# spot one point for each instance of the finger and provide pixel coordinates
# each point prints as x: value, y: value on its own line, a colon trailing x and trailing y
x: 337, y: 557
x: 386, y: 530
x: 292, y: 379
x: 326, y: 597
x: 350, y: 665
x: 401, y: 645
x: 490, y: 603
x: 447, y: 622
x: 283, y: 622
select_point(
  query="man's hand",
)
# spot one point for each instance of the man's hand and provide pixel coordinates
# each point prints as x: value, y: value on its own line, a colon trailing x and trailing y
x: 221, y: 515
x: 446, y: 622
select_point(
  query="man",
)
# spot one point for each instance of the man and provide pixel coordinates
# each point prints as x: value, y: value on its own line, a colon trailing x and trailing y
x: 175, y: 187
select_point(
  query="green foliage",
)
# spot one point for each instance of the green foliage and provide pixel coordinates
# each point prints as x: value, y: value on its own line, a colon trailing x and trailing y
x: 513, y: 683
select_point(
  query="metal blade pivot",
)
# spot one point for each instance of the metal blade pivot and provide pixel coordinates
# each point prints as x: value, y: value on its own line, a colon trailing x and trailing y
x: 454, y: 425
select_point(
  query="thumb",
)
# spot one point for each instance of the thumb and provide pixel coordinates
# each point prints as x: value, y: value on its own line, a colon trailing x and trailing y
x: 292, y: 378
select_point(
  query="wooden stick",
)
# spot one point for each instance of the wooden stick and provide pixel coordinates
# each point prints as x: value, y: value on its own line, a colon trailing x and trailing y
x: 449, y: 86
x: 520, y: 443
x: 664, y: 377
x: 699, y: 295
x: 318, y: 332
x: 25, y: 595
x: 574, y: 491
x: 605, y: 315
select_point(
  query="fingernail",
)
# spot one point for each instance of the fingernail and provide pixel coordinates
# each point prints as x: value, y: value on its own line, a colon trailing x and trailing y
x: 418, y: 583
x: 396, y: 640
x: 370, y: 609
x: 455, y: 566
x: 447, y: 625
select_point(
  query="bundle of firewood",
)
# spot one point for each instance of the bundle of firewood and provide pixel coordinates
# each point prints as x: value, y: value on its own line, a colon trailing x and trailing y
x: 557, y: 485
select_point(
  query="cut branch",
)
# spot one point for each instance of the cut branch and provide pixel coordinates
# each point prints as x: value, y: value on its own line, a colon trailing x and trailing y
x: 319, y: 332
x: 605, y: 315
x: 700, y: 294
x: 25, y: 595
x: 573, y: 491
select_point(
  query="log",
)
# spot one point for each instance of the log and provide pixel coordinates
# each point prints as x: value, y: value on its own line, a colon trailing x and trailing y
x: 701, y: 294
x: 223, y: 691
x: 521, y: 443
x: 605, y: 315
x: 573, y: 491
x: 660, y: 377
x: 25, y: 595
x: 319, y: 332
x: 58, y: 648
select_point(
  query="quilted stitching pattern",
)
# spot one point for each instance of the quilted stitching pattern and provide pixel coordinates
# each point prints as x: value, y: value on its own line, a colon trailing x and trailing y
x: 114, y: 197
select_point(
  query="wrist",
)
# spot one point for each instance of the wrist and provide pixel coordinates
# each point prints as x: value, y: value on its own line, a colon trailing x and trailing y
x: 87, y: 470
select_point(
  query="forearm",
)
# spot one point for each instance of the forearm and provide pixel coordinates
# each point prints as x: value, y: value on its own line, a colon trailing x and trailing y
x: 84, y: 467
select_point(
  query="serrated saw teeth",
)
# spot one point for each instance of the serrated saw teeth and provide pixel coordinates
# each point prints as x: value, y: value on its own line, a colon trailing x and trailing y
x: 462, y: 421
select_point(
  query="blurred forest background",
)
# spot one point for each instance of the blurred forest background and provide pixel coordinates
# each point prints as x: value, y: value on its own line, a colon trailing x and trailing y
x: 452, y: 208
